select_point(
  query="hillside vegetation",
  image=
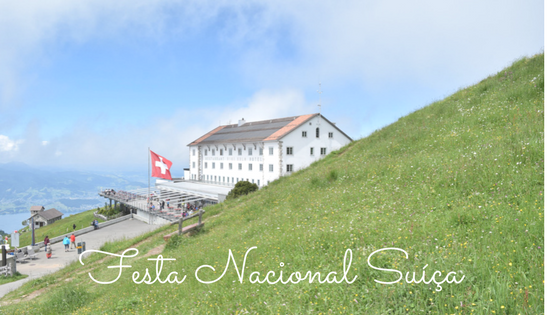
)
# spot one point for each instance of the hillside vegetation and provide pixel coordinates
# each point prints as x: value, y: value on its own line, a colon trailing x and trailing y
x: 458, y: 185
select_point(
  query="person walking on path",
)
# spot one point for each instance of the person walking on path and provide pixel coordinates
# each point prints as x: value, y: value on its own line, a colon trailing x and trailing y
x: 66, y: 242
x: 73, y: 241
x: 46, y: 242
x: 48, y: 250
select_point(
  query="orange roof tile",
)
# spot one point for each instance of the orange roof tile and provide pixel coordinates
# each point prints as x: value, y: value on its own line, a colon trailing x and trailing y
x: 289, y: 127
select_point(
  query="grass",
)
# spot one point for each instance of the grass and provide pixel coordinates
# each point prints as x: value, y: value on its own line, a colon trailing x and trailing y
x: 7, y: 279
x: 458, y: 185
x: 58, y: 228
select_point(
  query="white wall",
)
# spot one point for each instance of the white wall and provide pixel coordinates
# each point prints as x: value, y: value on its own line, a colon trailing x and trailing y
x: 301, y: 157
x: 220, y: 171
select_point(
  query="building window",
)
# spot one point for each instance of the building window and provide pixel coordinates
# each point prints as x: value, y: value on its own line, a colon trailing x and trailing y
x: 239, y: 151
x: 250, y: 166
x: 213, y: 152
x: 317, y: 133
x: 289, y: 150
x: 213, y: 165
x: 221, y: 166
x: 193, y: 152
x: 323, y: 151
x: 258, y: 182
x: 261, y: 167
x: 205, y: 152
x: 205, y: 164
x: 221, y: 151
x: 270, y: 150
x: 250, y: 151
x: 239, y: 167
x: 230, y: 151
x: 260, y: 151
x: 304, y: 134
x: 230, y: 166
x: 330, y: 134
x: 310, y: 151
x: 270, y: 168
x: 193, y: 164
x: 289, y: 168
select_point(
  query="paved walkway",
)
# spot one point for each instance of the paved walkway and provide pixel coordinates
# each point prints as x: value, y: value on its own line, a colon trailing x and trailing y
x: 94, y: 240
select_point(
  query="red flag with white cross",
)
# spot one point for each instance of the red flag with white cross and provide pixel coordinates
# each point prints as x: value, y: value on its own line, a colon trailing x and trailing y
x: 160, y: 166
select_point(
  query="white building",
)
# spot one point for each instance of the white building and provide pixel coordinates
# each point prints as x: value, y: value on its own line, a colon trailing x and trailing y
x: 262, y: 151
x: 44, y: 217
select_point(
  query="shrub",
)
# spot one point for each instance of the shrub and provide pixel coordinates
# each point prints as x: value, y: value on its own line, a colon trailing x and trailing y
x: 242, y: 188
x: 332, y: 176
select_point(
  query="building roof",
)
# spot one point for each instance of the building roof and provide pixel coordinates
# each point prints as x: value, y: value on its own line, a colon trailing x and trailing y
x: 264, y: 130
x: 50, y: 214
x: 37, y: 208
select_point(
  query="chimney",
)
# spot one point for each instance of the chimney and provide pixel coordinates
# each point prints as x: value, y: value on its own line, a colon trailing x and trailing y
x: 241, y: 122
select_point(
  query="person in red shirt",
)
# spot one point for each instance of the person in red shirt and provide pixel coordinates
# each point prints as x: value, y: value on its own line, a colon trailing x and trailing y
x: 73, y: 241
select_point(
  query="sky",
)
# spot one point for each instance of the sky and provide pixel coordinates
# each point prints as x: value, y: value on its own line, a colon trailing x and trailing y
x: 93, y: 84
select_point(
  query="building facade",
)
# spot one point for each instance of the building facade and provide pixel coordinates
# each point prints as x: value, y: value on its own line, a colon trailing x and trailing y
x: 262, y: 151
x: 43, y: 217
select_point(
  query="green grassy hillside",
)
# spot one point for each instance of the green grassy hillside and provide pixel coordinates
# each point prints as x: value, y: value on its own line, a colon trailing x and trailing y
x: 458, y: 185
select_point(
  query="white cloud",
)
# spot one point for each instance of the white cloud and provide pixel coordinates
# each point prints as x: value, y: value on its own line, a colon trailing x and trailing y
x: 9, y: 145
x: 127, y: 145
x: 267, y: 104
x: 374, y: 42
x: 291, y: 43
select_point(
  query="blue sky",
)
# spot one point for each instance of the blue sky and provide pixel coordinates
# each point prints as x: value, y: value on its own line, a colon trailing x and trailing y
x: 92, y: 84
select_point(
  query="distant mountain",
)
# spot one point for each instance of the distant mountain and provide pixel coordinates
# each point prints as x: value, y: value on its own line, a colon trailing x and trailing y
x: 22, y: 186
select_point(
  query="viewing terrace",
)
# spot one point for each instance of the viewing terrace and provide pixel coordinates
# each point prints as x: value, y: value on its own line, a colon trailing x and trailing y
x: 167, y: 201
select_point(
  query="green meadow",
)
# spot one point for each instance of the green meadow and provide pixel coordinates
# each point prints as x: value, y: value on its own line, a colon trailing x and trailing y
x: 457, y: 186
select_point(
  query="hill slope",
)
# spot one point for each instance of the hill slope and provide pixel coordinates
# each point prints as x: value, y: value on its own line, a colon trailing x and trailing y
x: 458, y: 185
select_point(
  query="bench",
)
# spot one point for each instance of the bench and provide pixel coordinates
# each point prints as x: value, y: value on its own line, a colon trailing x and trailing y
x: 31, y: 253
x: 184, y: 230
x: 20, y: 257
x: 6, y: 271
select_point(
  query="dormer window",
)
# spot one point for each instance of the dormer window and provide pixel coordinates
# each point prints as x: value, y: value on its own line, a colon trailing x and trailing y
x: 317, y: 133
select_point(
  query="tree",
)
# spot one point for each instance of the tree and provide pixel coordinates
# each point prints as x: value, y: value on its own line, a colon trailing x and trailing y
x: 242, y: 188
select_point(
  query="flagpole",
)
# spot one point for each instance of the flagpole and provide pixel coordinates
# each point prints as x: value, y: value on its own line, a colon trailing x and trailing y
x: 148, y: 202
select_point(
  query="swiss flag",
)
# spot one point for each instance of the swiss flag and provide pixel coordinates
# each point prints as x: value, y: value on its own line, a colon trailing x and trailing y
x: 160, y: 166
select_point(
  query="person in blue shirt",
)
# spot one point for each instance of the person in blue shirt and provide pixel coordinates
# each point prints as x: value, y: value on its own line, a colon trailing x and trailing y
x: 66, y: 242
